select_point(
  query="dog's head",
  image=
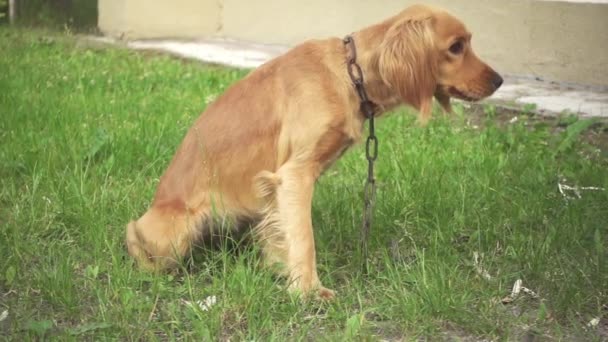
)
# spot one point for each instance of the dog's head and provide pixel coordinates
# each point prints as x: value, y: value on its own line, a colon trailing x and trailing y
x: 426, y: 52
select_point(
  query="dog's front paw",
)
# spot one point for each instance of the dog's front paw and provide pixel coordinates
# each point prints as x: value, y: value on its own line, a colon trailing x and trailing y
x: 317, y: 292
x: 325, y: 293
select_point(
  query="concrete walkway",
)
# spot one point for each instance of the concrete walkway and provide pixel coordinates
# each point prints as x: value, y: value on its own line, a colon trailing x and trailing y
x: 548, y: 98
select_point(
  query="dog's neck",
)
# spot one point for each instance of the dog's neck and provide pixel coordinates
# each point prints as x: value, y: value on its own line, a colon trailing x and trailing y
x: 368, y: 42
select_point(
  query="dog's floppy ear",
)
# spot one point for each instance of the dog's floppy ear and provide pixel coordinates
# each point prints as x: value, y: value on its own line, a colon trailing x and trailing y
x: 408, y: 62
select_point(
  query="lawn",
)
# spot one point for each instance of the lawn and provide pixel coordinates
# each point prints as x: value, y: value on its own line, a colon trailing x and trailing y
x: 465, y: 208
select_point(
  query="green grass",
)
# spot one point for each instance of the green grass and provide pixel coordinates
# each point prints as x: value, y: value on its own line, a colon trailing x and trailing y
x: 85, y: 134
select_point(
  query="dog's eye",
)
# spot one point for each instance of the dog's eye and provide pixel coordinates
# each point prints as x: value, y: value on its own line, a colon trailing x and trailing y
x: 457, y: 48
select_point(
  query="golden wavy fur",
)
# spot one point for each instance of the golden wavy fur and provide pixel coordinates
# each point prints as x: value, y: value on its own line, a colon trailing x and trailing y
x: 257, y: 151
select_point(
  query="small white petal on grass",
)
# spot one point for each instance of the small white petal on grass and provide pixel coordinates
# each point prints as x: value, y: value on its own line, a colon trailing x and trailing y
x: 514, y: 119
x: 594, y: 322
x: 204, y: 305
x: 3, y: 315
x: 480, y: 270
x: 518, y: 288
x: 564, y: 188
x: 209, y: 302
x: 210, y: 98
x: 529, y: 292
x: 592, y: 188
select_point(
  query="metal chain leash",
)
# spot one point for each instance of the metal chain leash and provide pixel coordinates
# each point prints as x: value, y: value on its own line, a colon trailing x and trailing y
x: 371, y: 146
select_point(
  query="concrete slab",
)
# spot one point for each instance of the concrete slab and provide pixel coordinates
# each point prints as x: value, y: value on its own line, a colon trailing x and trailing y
x: 537, y: 95
x: 226, y: 52
x: 553, y: 97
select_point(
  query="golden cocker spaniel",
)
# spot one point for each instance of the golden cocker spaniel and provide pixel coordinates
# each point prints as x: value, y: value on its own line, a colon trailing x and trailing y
x: 255, y: 153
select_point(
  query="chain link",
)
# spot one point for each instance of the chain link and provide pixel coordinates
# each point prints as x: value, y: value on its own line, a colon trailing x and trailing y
x: 371, y: 147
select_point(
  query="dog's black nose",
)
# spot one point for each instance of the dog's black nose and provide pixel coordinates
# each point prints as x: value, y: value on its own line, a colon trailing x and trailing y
x: 497, y: 81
